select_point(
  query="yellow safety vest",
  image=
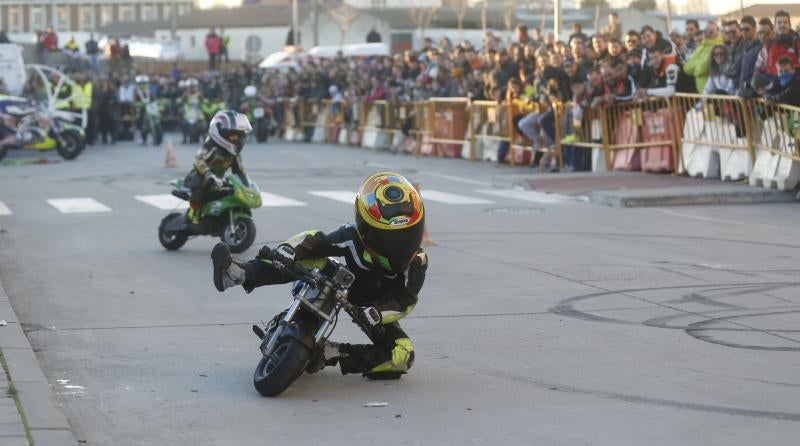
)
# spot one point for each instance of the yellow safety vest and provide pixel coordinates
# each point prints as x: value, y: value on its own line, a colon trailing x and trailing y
x: 83, y: 96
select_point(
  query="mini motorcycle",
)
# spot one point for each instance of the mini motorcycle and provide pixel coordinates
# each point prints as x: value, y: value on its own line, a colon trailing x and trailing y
x: 294, y: 339
x: 261, y: 118
x: 226, y: 215
x: 151, y: 124
x: 193, y: 122
x: 26, y: 124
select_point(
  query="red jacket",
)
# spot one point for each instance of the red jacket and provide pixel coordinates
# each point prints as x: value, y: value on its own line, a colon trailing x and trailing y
x: 213, y: 44
x: 50, y: 41
x: 782, y: 46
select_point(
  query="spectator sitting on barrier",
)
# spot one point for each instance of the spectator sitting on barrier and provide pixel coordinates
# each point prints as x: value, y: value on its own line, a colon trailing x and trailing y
x: 697, y: 65
x: 634, y: 61
x: 786, y: 90
x: 719, y: 81
x: 660, y: 78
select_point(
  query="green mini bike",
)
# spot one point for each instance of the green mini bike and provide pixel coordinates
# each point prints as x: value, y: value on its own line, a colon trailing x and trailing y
x: 226, y: 215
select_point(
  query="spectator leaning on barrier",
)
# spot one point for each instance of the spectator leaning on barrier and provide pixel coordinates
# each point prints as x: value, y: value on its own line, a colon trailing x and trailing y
x: 697, y: 65
x: 600, y: 46
x: 578, y: 54
x: 660, y: 77
x: 786, y: 90
x: 751, y: 46
x: 719, y: 80
x: 622, y: 87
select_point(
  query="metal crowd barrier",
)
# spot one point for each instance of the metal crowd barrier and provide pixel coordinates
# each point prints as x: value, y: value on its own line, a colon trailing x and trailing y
x: 658, y: 134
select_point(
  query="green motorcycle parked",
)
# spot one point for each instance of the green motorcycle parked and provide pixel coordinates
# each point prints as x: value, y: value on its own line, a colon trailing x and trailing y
x: 227, y: 215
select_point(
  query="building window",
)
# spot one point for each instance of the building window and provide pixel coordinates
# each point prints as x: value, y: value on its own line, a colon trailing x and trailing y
x: 86, y: 17
x: 183, y: 8
x: 38, y: 19
x: 106, y: 15
x: 126, y: 13
x: 14, y: 19
x: 378, y: 4
x: 149, y: 12
x: 191, y: 41
x: 62, y: 18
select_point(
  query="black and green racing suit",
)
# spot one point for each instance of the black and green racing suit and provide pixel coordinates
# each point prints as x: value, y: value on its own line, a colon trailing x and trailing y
x: 394, y: 295
x: 208, y: 171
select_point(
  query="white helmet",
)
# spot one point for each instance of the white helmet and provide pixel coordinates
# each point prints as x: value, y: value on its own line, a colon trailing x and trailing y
x: 181, y: 84
x: 250, y: 91
x: 142, y: 79
x: 191, y: 82
x: 228, y: 128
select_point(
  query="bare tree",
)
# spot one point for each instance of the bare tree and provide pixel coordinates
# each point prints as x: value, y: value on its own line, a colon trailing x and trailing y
x: 484, y: 15
x: 343, y: 15
x: 422, y: 17
x: 460, y: 7
x: 508, y: 13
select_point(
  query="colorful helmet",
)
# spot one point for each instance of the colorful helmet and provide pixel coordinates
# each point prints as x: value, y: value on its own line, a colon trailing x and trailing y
x: 250, y: 91
x: 228, y: 129
x: 390, y: 218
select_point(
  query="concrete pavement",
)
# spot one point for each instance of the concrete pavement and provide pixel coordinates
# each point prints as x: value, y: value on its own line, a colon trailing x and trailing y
x: 544, y: 319
x: 29, y: 414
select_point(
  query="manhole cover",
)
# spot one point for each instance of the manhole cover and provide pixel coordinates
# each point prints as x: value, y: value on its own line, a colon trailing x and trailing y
x: 514, y: 210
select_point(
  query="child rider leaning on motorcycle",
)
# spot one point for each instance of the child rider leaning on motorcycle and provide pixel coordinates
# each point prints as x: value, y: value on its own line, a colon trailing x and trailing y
x: 382, y: 250
x: 221, y: 151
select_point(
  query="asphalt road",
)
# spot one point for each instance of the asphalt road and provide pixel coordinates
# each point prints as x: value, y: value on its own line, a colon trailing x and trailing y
x: 542, y: 321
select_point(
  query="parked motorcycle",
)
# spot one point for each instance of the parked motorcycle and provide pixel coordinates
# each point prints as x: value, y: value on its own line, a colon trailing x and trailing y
x: 294, y: 339
x: 227, y: 215
x: 26, y: 124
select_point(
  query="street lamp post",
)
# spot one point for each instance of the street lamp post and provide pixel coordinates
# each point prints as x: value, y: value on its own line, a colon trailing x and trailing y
x: 173, y: 20
x: 557, y: 18
x: 294, y: 23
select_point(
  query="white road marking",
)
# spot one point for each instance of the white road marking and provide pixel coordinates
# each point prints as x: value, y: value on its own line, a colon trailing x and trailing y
x: 529, y: 195
x: 444, y: 197
x: 78, y: 205
x: 455, y: 178
x: 345, y: 196
x: 272, y: 200
x: 4, y: 210
x: 165, y: 202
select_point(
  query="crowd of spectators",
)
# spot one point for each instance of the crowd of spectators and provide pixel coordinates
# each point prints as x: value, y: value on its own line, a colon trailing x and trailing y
x: 748, y: 57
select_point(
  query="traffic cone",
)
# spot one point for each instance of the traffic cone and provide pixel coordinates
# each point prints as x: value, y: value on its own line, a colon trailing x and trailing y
x: 170, y: 161
x: 426, y: 240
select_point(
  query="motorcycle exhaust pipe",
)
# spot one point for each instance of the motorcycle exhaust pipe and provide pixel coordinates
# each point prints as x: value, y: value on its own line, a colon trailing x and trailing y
x: 259, y: 332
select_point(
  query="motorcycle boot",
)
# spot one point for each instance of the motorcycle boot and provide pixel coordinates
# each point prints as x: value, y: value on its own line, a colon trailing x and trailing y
x: 227, y: 272
x: 327, y: 356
